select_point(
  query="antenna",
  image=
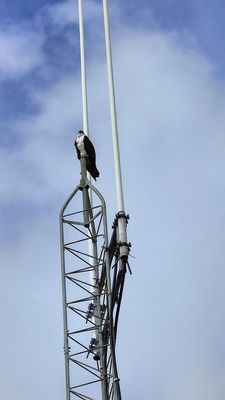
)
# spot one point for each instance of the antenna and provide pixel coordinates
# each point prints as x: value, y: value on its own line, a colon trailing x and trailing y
x: 83, y: 69
x: 121, y: 216
x: 92, y: 267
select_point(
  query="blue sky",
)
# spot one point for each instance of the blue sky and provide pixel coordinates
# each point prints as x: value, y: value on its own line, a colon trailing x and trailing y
x: 168, y: 63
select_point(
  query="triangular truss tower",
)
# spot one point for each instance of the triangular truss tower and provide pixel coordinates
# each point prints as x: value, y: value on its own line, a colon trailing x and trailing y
x: 91, y: 306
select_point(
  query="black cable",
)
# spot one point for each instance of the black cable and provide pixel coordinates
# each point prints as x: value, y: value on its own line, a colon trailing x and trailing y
x: 113, y: 352
x: 120, y: 298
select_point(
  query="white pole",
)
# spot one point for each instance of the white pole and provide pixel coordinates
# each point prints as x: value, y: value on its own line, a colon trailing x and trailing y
x: 91, y: 245
x: 116, y: 152
x: 122, y: 219
x: 83, y: 70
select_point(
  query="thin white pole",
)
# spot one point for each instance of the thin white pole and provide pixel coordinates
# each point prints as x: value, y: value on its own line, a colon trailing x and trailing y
x: 116, y: 151
x: 121, y: 216
x: 91, y: 245
x: 83, y: 76
x: 83, y: 69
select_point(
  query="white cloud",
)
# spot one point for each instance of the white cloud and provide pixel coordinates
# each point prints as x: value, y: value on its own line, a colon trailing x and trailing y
x: 20, y: 51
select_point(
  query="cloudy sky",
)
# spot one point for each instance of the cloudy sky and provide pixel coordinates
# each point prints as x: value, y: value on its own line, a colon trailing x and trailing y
x: 170, y: 88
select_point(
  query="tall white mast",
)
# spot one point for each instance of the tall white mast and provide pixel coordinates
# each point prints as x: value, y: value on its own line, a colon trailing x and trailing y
x: 116, y: 151
x: 91, y: 244
x: 121, y: 217
x: 83, y: 69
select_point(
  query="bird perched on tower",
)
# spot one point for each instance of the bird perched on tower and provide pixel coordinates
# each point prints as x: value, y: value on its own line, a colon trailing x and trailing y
x: 86, y: 149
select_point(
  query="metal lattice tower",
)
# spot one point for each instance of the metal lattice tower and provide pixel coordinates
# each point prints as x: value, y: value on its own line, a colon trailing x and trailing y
x: 93, y: 269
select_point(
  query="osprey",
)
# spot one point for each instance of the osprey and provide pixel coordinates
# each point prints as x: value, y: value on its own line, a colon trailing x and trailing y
x: 86, y: 149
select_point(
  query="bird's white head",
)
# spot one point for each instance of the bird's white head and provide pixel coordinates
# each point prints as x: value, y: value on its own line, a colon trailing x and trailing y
x: 80, y: 134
